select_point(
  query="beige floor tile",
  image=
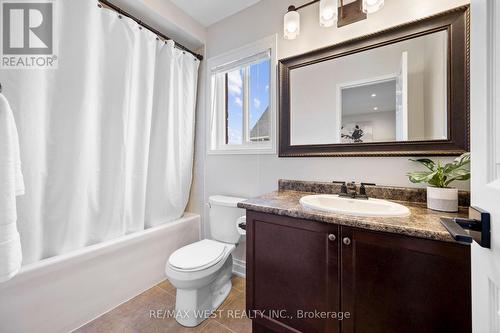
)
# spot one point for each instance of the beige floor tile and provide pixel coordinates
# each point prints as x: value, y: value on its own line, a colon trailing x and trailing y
x: 170, y: 325
x: 215, y: 327
x: 106, y: 324
x: 154, y: 303
x: 233, y: 316
x: 156, y: 299
x: 233, y: 295
x: 168, y: 287
x: 239, y: 283
x: 138, y: 314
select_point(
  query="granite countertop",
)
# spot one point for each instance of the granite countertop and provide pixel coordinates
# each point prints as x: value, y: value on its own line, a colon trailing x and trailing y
x: 422, y: 222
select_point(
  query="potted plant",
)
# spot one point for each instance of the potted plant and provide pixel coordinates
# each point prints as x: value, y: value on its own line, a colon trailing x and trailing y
x: 440, y: 196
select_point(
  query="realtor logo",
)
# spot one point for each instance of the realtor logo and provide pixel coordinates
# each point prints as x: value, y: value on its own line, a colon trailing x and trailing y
x: 27, y: 34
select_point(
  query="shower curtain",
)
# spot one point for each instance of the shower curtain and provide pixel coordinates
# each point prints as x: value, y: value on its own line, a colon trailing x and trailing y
x: 107, y: 138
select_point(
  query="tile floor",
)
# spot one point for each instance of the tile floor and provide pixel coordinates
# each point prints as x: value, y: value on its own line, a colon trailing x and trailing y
x: 134, y: 315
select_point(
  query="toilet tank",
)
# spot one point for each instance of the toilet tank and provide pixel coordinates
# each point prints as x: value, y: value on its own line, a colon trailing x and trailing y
x: 222, y: 217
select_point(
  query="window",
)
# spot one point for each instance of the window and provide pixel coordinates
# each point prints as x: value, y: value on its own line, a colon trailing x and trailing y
x: 247, y: 103
x: 242, y: 107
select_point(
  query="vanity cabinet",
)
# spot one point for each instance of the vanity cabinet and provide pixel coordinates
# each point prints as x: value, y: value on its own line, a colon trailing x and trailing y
x: 292, y: 266
x: 303, y: 274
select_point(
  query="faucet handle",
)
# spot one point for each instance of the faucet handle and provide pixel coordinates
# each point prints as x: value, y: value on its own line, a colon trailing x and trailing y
x: 343, y: 187
x: 362, y: 189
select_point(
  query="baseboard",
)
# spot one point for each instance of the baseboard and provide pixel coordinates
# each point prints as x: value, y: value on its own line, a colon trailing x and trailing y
x: 239, y: 268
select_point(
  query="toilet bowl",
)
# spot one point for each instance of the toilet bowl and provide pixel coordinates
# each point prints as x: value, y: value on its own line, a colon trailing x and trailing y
x: 202, y: 271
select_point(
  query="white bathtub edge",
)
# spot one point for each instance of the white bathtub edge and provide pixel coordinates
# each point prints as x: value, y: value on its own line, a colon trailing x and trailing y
x: 63, y: 293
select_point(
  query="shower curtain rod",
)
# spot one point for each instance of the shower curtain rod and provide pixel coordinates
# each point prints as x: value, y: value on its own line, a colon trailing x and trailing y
x: 117, y: 9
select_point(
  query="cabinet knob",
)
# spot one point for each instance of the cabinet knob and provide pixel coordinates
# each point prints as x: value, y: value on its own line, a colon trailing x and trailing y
x: 332, y: 237
x: 347, y: 241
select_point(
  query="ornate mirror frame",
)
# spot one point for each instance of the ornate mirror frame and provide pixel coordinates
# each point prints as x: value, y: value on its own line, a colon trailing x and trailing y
x: 456, y: 23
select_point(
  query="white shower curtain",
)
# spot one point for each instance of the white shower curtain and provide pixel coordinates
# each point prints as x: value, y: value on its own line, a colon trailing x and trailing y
x: 107, y: 139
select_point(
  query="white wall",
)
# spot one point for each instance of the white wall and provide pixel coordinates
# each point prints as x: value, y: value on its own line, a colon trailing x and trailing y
x: 167, y: 18
x: 252, y: 175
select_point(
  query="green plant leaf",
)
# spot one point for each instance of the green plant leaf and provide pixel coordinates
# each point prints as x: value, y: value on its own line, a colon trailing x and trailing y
x: 460, y: 174
x: 463, y: 159
x: 441, y: 175
x: 440, y: 178
x: 458, y: 163
x: 428, y: 163
x: 420, y: 176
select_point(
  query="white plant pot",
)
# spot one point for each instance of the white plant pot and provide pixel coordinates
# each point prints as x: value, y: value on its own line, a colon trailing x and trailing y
x: 442, y: 199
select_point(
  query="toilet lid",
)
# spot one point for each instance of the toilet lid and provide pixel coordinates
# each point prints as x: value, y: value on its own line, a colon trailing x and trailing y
x: 201, y: 254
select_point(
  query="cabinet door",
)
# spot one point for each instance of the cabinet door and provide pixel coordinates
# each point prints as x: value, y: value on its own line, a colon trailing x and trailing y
x: 292, y: 274
x: 393, y: 283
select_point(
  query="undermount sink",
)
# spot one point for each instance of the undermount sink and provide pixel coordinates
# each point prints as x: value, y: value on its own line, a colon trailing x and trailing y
x: 357, y: 207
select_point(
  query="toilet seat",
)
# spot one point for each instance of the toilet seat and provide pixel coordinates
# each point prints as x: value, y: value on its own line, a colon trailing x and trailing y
x: 198, y: 256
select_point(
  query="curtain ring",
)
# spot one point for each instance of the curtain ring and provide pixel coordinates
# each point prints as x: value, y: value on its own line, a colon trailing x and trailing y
x: 99, y: 5
x: 119, y: 16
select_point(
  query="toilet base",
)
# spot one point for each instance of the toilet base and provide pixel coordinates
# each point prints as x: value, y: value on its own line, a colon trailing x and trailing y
x: 193, y: 306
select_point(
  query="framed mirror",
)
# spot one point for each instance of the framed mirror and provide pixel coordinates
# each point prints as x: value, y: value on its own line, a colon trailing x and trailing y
x: 402, y: 91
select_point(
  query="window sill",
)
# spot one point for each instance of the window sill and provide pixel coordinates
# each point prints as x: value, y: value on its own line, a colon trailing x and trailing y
x: 243, y: 151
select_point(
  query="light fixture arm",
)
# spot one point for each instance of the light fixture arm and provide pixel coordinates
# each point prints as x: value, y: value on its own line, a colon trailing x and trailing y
x: 303, y: 6
x: 331, y: 12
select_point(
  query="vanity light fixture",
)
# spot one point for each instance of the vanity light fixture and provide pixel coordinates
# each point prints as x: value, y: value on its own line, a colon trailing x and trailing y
x: 372, y: 6
x: 292, y: 23
x: 331, y: 12
x: 328, y: 13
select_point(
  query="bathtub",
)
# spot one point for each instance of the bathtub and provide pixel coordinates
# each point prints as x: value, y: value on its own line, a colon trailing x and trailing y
x: 62, y: 293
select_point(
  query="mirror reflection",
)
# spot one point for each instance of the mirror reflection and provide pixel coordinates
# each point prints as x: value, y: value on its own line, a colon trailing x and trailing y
x: 396, y: 92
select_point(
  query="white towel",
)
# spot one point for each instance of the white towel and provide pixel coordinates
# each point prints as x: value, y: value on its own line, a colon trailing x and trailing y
x: 11, y: 185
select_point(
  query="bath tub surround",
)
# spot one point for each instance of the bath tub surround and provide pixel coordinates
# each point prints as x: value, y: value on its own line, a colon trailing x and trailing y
x: 62, y: 293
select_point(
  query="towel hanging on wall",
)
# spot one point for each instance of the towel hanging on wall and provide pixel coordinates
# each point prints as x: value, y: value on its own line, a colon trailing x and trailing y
x: 11, y: 185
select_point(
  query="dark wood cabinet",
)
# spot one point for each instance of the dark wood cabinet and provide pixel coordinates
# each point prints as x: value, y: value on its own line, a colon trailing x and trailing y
x: 302, y: 275
x: 292, y: 266
x: 393, y: 283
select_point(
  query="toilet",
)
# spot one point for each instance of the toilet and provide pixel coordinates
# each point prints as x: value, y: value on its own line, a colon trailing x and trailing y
x: 202, y: 271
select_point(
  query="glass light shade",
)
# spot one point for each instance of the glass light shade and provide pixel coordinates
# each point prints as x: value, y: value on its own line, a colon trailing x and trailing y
x: 328, y: 12
x: 371, y: 6
x: 291, y: 25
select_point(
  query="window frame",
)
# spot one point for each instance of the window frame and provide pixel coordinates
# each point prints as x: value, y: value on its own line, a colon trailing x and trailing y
x: 216, y: 123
